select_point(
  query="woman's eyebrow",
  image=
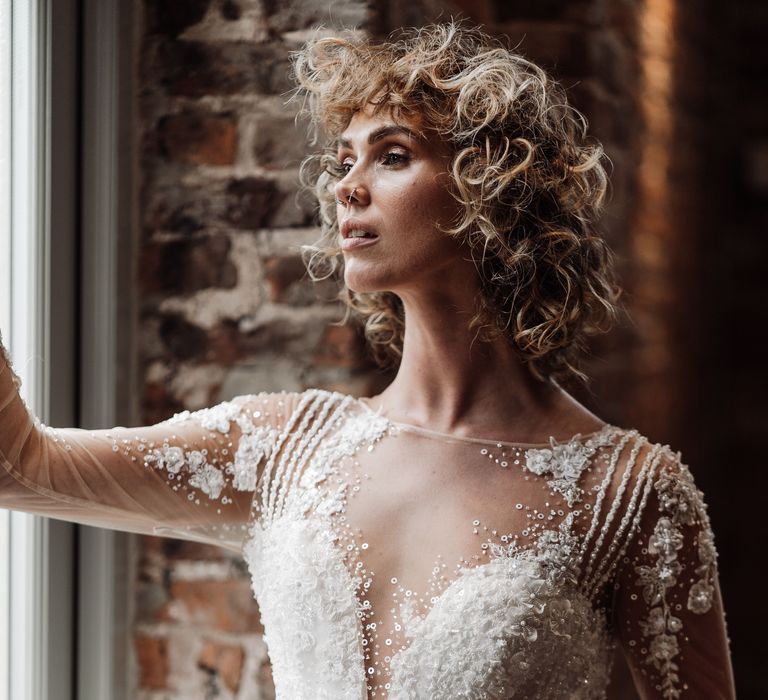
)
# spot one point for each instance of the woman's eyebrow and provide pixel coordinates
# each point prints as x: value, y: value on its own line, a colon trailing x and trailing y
x: 380, y: 133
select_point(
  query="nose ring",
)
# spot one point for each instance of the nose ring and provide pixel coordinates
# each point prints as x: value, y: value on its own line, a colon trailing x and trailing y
x: 349, y: 199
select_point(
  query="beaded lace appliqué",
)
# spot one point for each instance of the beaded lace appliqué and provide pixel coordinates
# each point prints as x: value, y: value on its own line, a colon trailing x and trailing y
x: 566, y: 462
x: 681, y: 505
x: 255, y: 445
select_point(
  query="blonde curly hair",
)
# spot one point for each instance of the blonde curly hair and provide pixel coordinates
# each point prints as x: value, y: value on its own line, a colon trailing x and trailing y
x: 529, y: 182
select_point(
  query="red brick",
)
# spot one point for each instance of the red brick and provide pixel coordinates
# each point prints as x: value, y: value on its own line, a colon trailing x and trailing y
x: 288, y: 15
x: 226, y: 660
x: 551, y: 11
x: 152, y: 546
x: 227, y: 606
x: 561, y: 49
x: 152, y: 655
x: 199, y: 137
x: 224, y: 344
x: 178, y: 207
x: 230, y: 10
x: 196, y: 69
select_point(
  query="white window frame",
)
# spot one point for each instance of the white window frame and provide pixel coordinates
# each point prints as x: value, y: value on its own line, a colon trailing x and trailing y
x: 38, y: 565
x: 65, y: 123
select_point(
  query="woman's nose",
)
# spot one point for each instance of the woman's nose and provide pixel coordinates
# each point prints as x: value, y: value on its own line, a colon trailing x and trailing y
x: 347, y: 193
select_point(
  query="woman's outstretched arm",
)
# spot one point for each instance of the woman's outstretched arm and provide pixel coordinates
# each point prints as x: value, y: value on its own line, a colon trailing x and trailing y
x: 192, y: 476
x: 668, y: 611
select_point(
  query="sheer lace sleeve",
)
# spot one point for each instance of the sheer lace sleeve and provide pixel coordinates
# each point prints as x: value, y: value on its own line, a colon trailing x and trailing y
x: 190, y: 477
x: 668, y: 611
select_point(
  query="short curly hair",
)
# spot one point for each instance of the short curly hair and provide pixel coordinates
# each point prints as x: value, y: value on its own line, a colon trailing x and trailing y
x: 529, y: 182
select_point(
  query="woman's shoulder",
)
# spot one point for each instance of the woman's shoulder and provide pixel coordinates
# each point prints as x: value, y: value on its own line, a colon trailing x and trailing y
x: 645, y: 457
x: 282, y: 407
x: 653, y: 487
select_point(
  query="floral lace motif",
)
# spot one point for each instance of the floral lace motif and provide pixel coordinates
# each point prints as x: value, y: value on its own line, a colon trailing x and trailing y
x: 532, y: 633
x: 255, y: 446
x: 354, y: 433
x: 566, y: 462
x: 219, y: 418
x: 309, y: 610
x: 175, y: 461
x: 358, y: 430
x: 681, y: 505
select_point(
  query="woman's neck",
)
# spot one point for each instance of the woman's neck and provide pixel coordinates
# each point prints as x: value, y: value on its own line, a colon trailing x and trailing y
x: 451, y: 381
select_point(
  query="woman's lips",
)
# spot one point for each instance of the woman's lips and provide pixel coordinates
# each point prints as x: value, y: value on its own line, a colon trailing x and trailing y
x: 354, y: 243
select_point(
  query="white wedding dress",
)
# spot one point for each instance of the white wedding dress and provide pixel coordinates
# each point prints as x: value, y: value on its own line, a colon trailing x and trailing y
x: 390, y: 561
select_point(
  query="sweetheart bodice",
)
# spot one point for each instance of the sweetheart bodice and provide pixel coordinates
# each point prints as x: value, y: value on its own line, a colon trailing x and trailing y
x: 511, y: 627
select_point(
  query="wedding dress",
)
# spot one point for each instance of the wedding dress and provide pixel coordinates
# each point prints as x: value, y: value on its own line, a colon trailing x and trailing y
x: 391, y: 561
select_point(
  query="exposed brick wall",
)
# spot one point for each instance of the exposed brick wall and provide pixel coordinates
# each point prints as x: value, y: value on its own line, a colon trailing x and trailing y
x: 226, y: 308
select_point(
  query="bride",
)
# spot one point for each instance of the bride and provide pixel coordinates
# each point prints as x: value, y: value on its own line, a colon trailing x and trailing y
x: 472, y: 531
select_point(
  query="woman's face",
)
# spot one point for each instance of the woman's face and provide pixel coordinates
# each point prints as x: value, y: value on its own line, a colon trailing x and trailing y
x: 395, y: 186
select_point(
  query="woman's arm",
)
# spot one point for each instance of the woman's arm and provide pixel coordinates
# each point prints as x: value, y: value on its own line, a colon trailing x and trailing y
x: 191, y: 477
x: 668, y: 611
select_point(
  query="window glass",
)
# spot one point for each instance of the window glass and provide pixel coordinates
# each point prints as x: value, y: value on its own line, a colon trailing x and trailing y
x: 23, y: 319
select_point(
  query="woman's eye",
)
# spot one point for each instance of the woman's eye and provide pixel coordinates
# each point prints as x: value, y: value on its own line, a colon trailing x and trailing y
x: 395, y: 158
x: 340, y: 169
x: 390, y: 158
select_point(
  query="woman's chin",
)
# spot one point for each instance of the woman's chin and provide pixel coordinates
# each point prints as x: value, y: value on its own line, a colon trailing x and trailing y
x: 363, y: 281
x: 364, y: 287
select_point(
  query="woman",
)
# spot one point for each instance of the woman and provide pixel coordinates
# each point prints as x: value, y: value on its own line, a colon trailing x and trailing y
x: 473, y: 531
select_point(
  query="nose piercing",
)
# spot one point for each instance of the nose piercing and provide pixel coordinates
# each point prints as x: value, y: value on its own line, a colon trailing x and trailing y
x: 349, y: 199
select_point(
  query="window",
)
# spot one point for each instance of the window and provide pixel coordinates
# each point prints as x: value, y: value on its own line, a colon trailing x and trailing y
x: 36, y: 567
x: 65, y: 190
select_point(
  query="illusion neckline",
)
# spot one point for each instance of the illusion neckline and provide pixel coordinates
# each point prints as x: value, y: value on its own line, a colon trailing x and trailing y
x: 428, y: 432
